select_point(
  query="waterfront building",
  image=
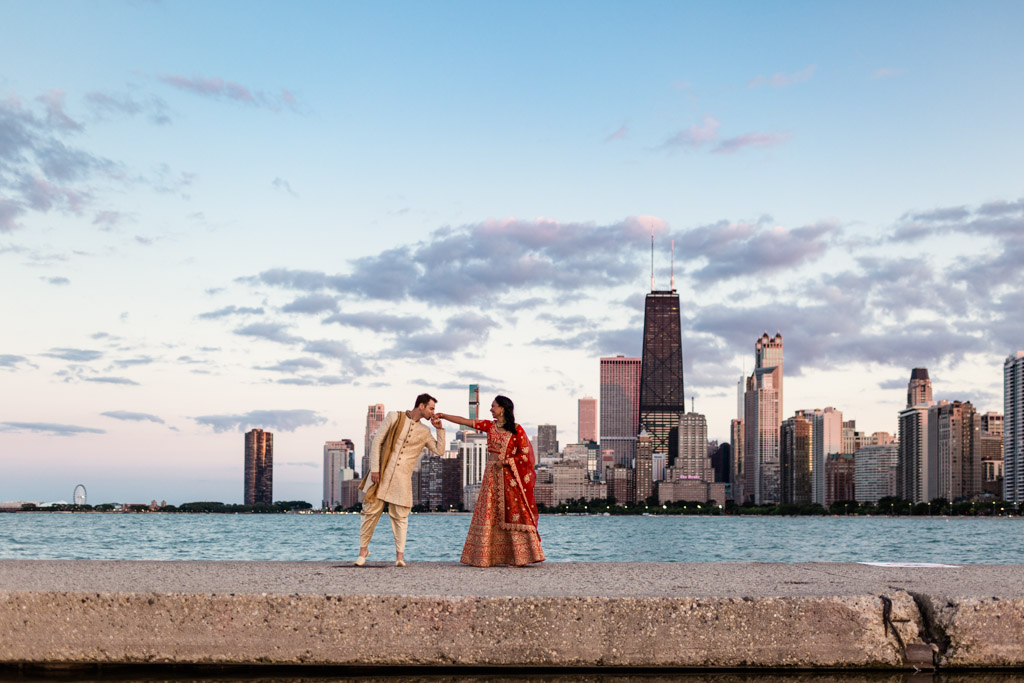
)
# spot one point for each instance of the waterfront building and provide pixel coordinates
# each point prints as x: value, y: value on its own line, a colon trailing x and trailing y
x: 473, y: 456
x: 736, y: 470
x: 796, y: 459
x: 644, y: 474
x: 374, y: 418
x: 662, y: 398
x: 339, y: 466
x: 620, y: 407
x: 587, y: 419
x: 451, y: 483
x: 840, y: 478
x: 259, y: 467
x: 919, y: 389
x: 577, y: 452
x: 474, y: 405
x: 621, y: 484
x: 1013, y: 428
x: 547, y: 440
x: 350, y: 492
x: 762, y: 422
x: 659, y: 463
x: 988, y: 445
x: 593, y: 461
x: 828, y: 440
x: 874, y: 475
x: 431, y: 482
x: 568, y: 482
x: 692, y: 451
x: 951, y: 447
x: 690, y: 490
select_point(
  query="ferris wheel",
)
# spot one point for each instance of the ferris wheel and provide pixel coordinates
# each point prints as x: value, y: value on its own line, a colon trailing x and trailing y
x: 79, y: 495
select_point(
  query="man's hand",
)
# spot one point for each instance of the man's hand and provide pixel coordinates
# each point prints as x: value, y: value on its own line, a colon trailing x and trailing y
x: 436, y: 421
x: 374, y: 477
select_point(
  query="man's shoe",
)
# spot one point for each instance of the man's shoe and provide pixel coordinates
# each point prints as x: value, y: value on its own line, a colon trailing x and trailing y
x: 361, y: 560
x: 399, y: 563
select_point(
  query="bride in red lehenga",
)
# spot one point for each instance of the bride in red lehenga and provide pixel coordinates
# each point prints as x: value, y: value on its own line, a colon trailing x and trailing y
x: 504, y: 525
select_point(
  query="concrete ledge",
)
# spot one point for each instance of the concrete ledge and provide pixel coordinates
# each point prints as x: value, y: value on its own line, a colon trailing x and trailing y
x: 805, y: 616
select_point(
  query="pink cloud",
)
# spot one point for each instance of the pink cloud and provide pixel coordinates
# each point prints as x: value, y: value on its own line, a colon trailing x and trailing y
x: 53, y: 100
x: 735, y: 144
x: 886, y: 72
x: 219, y: 88
x: 780, y: 80
x: 696, y: 135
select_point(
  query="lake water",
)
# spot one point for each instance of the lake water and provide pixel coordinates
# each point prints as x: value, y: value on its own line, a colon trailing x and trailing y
x: 439, y: 537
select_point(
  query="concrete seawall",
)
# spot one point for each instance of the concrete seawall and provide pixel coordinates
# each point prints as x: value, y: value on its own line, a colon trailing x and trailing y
x: 731, y: 615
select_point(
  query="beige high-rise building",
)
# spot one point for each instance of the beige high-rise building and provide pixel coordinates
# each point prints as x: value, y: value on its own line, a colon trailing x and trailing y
x: 874, y: 474
x: 339, y: 466
x: 587, y: 419
x: 692, y: 459
x: 951, y: 434
x: 919, y: 389
x: 916, y: 473
x: 762, y: 422
x: 374, y: 417
x: 644, y: 474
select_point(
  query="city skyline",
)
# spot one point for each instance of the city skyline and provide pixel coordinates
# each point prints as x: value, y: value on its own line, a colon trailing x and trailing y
x: 202, y: 235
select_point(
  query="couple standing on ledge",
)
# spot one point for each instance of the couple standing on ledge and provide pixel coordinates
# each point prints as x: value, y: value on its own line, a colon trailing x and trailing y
x: 504, y: 525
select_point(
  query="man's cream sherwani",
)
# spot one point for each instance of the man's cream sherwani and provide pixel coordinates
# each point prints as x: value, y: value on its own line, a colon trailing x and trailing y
x: 395, y: 484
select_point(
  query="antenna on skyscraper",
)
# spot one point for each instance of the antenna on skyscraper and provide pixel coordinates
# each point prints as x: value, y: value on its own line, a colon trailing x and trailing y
x: 673, y: 281
x: 693, y: 409
x: 652, y: 257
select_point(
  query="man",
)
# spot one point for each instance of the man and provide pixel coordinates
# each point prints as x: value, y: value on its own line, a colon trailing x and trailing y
x: 394, y: 452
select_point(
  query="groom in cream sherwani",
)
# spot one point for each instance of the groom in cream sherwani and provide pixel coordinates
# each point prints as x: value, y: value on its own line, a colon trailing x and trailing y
x: 394, y: 451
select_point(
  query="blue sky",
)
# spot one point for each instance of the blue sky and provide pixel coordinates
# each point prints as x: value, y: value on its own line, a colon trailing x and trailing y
x: 217, y: 214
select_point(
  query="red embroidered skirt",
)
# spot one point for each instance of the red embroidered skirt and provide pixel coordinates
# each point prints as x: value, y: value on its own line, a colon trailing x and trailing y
x: 487, y: 543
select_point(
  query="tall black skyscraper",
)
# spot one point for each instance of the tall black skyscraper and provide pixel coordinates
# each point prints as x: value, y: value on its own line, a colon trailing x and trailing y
x: 661, y: 373
x: 259, y: 467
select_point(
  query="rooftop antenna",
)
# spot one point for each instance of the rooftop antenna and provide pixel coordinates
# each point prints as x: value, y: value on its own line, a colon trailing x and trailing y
x: 652, y: 257
x: 673, y: 281
x: 692, y: 408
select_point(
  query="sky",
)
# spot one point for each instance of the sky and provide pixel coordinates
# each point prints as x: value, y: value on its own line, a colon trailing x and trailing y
x: 219, y: 216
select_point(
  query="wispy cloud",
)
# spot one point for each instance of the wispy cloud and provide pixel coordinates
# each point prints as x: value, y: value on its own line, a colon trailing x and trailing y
x: 75, y: 355
x: 380, y: 322
x: 230, y: 310
x: 706, y: 136
x: 275, y: 332
x: 886, y: 72
x: 781, y: 80
x: 48, y: 428
x: 220, y: 89
x: 107, y: 105
x: 11, y: 361
x: 111, y: 380
x: 272, y: 420
x: 132, y: 417
x: 59, y: 281
x: 311, y: 303
x: 619, y: 134
x: 732, y: 145
x: 696, y: 136
x: 282, y: 184
x: 294, y: 365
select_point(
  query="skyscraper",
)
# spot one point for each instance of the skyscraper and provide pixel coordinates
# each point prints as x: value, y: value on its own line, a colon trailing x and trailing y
x: 951, y: 447
x: 587, y: 419
x: 374, y: 417
x: 796, y: 459
x: 662, y: 398
x: 828, y: 440
x: 1013, y: 428
x: 919, y: 389
x: 259, y: 467
x: 474, y: 403
x: 762, y: 421
x: 547, y: 440
x: 339, y: 466
x: 875, y: 472
x: 620, y: 407
x: 692, y: 453
x: 916, y: 476
x: 644, y: 474
x: 736, y: 471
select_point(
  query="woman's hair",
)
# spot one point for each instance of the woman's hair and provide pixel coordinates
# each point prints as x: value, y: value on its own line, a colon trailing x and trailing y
x: 510, y: 417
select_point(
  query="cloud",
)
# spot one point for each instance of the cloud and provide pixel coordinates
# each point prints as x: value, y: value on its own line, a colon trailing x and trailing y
x: 886, y: 72
x: 59, y: 281
x: 282, y: 184
x: 619, y: 134
x: 272, y: 420
x: 733, y: 145
x: 380, y: 322
x: 129, y: 362
x: 12, y: 361
x: 294, y: 365
x: 106, y: 105
x: 696, y: 136
x: 132, y: 417
x: 275, y: 332
x: 111, y: 380
x: 108, y: 220
x: 48, y: 428
x: 311, y: 303
x: 330, y: 348
x: 76, y: 355
x: 220, y: 89
x: 462, y: 332
x: 230, y: 310
x: 781, y: 80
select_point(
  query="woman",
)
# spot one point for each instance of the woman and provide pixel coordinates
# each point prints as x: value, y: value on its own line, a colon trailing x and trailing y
x: 504, y: 525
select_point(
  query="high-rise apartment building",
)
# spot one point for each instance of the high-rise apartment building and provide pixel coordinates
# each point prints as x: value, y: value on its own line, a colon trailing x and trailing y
x: 587, y: 419
x: 762, y: 422
x: 796, y: 459
x: 644, y: 475
x: 374, y: 418
x: 259, y: 467
x: 840, y: 478
x: 547, y: 441
x: 736, y: 472
x: 692, y: 452
x: 339, y: 466
x: 951, y: 435
x: 919, y: 389
x: 662, y: 398
x: 828, y: 440
x: 1013, y: 428
x: 620, y: 407
x: 874, y: 475
x: 474, y: 404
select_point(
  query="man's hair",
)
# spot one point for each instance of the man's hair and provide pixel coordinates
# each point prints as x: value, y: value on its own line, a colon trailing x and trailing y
x: 424, y: 399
